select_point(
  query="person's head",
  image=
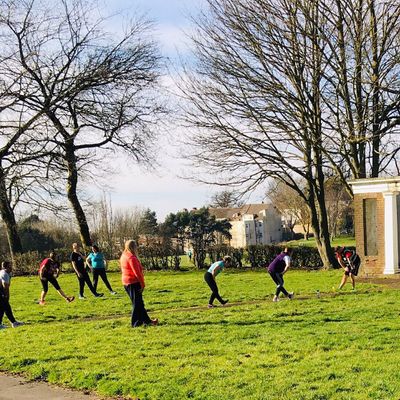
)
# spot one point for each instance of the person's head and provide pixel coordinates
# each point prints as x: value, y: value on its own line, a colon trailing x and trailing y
x: 338, y: 251
x: 52, y: 255
x: 227, y: 261
x: 130, y: 245
x: 288, y: 250
x: 95, y: 249
x: 6, y: 265
x: 75, y: 246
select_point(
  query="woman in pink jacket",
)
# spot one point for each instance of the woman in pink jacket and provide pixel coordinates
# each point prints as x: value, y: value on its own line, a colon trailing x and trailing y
x: 133, y: 281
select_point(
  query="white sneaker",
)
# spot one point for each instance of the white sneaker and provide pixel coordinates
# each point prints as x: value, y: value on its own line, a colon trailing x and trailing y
x: 275, y: 299
x: 113, y: 293
x: 2, y: 326
x: 16, y: 324
x: 82, y: 297
x: 290, y: 295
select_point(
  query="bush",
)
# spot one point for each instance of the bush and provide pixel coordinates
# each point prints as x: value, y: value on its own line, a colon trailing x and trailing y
x: 302, y: 257
x: 160, y: 256
x: 27, y: 263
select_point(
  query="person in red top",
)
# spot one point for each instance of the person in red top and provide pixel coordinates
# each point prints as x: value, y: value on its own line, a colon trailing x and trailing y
x: 350, y: 261
x: 48, y: 272
x: 133, y: 281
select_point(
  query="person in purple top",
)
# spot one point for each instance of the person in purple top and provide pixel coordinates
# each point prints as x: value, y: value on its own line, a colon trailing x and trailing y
x: 277, y: 269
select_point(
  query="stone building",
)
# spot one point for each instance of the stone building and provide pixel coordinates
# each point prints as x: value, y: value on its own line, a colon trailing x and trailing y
x: 377, y: 224
x: 252, y: 224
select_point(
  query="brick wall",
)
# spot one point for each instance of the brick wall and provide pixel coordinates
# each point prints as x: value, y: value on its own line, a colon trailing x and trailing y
x: 370, y: 265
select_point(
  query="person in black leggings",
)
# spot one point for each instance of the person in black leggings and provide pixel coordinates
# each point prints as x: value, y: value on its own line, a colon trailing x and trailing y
x: 97, y: 262
x: 210, y: 276
x: 5, y: 308
x: 277, y: 269
x: 78, y: 263
x: 48, y: 273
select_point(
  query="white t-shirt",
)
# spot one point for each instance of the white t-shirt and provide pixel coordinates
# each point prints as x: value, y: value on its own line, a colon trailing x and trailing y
x: 4, y: 276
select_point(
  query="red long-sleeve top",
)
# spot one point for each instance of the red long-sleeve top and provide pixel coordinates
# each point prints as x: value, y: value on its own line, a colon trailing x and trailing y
x: 132, y: 270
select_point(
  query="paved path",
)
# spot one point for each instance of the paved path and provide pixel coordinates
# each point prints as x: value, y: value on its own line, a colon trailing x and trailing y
x: 15, y: 388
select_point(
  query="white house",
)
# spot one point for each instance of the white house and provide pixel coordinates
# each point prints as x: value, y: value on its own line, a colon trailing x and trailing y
x: 252, y: 224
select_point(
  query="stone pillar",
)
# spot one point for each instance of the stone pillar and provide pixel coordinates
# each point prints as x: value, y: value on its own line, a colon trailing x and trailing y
x: 391, y: 233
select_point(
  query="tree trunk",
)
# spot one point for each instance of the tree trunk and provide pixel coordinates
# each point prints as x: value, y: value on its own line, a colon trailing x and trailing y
x: 7, y: 214
x: 72, y: 182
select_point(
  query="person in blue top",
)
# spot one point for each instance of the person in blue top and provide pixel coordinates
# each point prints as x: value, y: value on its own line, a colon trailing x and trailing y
x: 96, y: 261
x: 210, y: 276
x: 277, y: 269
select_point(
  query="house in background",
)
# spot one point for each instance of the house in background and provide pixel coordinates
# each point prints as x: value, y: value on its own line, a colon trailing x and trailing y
x: 252, y: 224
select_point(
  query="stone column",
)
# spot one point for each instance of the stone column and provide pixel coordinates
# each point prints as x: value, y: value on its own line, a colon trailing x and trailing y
x: 391, y: 233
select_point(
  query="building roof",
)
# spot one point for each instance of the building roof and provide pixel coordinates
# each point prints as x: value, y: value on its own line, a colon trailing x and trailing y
x: 232, y: 213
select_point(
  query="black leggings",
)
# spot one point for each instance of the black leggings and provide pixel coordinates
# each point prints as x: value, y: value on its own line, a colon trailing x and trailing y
x: 277, y: 277
x: 5, y: 308
x: 102, y: 273
x: 214, y: 288
x: 85, y: 278
x: 139, y: 313
x: 45, y: 283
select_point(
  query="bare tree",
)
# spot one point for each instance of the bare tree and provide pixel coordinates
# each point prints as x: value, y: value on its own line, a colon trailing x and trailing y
x: 226, y: 199
x: 265, y: 98
x: 97, y: 91
x: 291, y: 206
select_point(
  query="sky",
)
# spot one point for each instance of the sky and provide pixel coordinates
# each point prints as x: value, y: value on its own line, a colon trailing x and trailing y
x: 162, y: 191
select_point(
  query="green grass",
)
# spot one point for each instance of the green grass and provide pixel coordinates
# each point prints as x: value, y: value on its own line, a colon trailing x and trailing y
x: 339, y: 346
x: 339, y: 241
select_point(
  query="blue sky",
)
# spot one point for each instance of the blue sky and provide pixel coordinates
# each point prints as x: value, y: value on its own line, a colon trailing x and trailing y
x: 164, y: 191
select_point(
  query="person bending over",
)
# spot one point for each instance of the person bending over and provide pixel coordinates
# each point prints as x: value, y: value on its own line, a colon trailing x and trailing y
x: 277, y: 269
x: 48, y: 272
x: 210, y: 276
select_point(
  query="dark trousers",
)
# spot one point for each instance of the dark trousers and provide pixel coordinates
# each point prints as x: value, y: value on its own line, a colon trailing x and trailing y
x: 85, y: 278
x: 102, y: 273
x: 139, y: 313
x: 214, y: 288
x: 277, y: 277
x: 5, y: 308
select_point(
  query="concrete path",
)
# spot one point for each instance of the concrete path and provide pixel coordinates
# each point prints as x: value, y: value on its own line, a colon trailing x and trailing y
x: 15, y: 388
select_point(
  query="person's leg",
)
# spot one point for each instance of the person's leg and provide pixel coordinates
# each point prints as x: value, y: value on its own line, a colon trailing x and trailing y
x: 45, y: 286
x: 214, y: 288
x: 278, y: 279
x: 81, y: 280
x: 344, y: 280
x: 5, y: 305
x: 104, y: 278
x: 353, y: 281
x: 95, y: 278
x: 56, y: 285
x: 132, y: 293
x: 86, y: 279
x: 141, y: 310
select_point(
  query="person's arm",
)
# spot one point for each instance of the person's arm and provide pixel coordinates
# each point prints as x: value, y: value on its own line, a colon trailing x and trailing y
x: 288, y: 262
x: 75, y: 267
x: 6, y: 289
x: 215, y: 270
x: 88, y: 262
x: 341, y: 263
x: 137, y: 269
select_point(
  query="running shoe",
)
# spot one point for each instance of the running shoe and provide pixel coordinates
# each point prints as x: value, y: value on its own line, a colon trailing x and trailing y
x: 70, y: 299
x: 275, y: 299
x: 99, y: 295
x: 211, y: 306
x: 113, y: 293
x: 290, y: 295
x: 16, y: 324
x: 41, y: 302
x: 82, y: 297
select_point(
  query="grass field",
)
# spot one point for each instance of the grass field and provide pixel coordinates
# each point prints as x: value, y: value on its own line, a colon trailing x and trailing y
x: 337, y: 346
x: 339, y: 241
